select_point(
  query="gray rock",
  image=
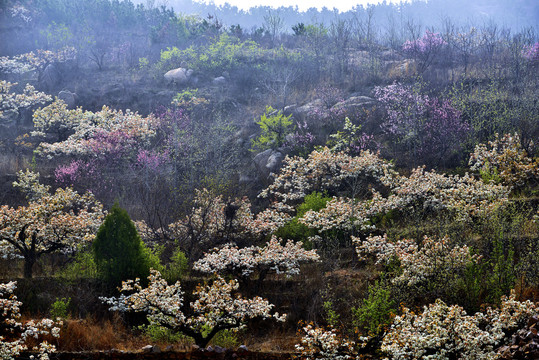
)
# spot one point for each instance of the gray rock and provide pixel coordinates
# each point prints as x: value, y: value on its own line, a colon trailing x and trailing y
x: 219, y: 350
x: 274, y: 161
x: 303, y: 111
x: 354, y: 102
x: 268, y: 161
x: 178, y: 76
x: 147, y: 348
x: 68, y: 97
x: 219, y: 81
x: 209, y: 349
x: 243, y: 348
x: 156, y: 349
x: 50, y: 77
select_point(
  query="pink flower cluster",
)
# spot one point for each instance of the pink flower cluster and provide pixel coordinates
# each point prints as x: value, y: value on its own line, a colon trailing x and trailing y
x: 429, y: 42
x: 531, y: 53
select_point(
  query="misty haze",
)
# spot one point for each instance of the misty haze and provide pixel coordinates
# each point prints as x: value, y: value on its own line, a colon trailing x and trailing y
x: 184, y: 180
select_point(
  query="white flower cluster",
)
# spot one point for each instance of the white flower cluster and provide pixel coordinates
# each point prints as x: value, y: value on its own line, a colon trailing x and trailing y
x: 244, y: 262
x: 433, y: 258
x: 327, y: 170
x: 364, y: 177
x: 56, y: 118
x: 23, y: 63
x: 320, y: 344
x: 215, y: 308
x: 209, y: 219
x: 447, y: 332
x: 14, y: 334
x: 11, y: 103
x: 462, y: 195
x: 61, y: 221
x: 88, y: 129
x: 505, y: 158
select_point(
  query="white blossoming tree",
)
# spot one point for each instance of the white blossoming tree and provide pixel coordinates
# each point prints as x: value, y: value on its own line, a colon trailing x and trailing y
x: 246, y: 261
x: 505, y: 160
x: 321, y: 344
x: 215, y: 307
x: 432, y: 261
x: 60, y: 221
x: 442, y: 331
x: 214, y: 221
x: 11, y: 103
x: 14, y: 335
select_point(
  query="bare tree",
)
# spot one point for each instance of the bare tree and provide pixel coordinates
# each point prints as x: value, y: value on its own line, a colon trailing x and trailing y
x: 341, y: 35
x: 273, y: 25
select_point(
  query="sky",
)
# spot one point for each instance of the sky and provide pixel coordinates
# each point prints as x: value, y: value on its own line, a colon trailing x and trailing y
x: 341, y: 5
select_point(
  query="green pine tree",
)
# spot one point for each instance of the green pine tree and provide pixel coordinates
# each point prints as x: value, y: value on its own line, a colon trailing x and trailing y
x: 119, y: 252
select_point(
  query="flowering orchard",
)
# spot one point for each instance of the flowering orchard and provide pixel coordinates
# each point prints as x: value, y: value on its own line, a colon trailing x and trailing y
x: 216, y: 307
x: 447, y: 332
x: 434, y: 260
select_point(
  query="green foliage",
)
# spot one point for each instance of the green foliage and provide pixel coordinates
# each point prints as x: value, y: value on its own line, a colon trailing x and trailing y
x: 143, y: 63
x: 57, y: 35
x: 274, y: 127
x: 178, y: 266
x: 470, y: 287
x: 162, y: 334
x: 224, y: 54
x: 118, y: 250
x: 83, y: 267
x: 59, y: 308
x: 490, y: 175
x: 332, y: 317
x: 227, y: 339
x: 500, y: 277
x: 377, y: 310
x: 297, y: 231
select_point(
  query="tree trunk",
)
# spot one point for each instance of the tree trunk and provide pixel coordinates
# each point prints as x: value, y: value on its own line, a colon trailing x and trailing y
x: 28, y: 265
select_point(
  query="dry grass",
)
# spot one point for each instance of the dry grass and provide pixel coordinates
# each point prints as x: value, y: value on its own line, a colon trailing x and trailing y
x: 275, y: 341
x: 91, y: 335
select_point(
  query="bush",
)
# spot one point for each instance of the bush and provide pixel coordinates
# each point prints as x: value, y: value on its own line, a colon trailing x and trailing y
x: 178, y: 266
x: 83, y: 266
x: 59, y: 308
x: 297, y: 231
x: 274, y: 127
x: 377, y: 310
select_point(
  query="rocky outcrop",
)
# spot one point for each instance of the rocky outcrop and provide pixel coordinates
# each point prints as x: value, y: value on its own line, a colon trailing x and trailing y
x: 50, y: 77
x: 68, y: 97
x: 354, y: 102
x: 178, y: 76
x: 268, y: 161
x: 302, y: 112
x: 219, y: 81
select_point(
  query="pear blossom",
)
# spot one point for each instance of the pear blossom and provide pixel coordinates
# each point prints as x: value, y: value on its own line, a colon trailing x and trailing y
x: 215, y: 307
